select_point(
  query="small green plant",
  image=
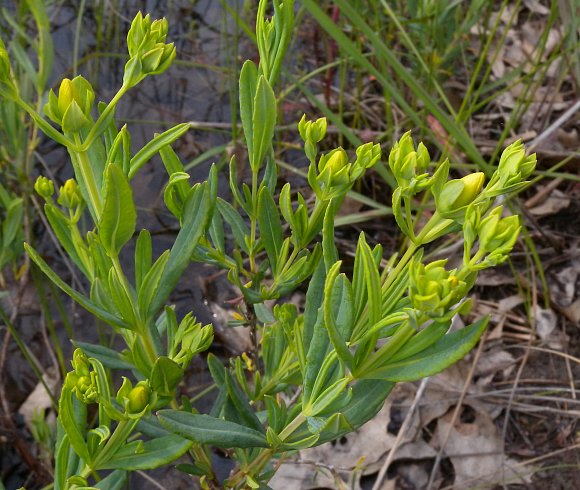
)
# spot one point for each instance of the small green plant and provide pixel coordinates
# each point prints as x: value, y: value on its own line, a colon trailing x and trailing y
x: 316, y: 373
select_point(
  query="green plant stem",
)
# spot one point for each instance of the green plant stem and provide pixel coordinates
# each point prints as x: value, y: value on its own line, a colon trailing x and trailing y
x: 142, y: 331
x: 385, y: 352
x: 117, y: 439
x: 100, y: 125
x: 266, y: 455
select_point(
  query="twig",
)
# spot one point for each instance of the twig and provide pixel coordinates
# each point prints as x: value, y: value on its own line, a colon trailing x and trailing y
x: 555, y: 125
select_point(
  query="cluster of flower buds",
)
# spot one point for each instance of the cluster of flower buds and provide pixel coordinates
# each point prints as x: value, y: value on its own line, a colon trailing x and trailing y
x: 513, y: 169
x: 409, y: 165
x: 312, y: 132
x: 82, y: 381
x: 497, y: 236
x: 70, y: 195
x: 335, y: 176
x: 190, y: 339
x: 136, y: 400
x: 44, y: 187
x: 434, y: 290
x: 71, y: 109
x: 148, y: 52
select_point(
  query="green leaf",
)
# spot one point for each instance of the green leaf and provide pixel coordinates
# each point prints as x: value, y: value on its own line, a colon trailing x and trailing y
x: 241, y: 404
x: 368, y: 398
x: 115, y: 481
x: 171, y: 194
x: 81, y: 299
x: 329, y: 396
x: 445, y: 352
x: 270, y: 228
x: 373, y: 280
x: 204, y: 429
x: 173, y: 165
x: 233, y: 218
x: 248, y: 85
x: 124, y: 301
x: 195, y: 219
x: 12, y: 222
x: 155, y: 145
x: 72, y: 415
x: 151, y: 283
x: 314, y: 299
x: 108, y: 357
x: 216, y: 233
x: 216, y: 369
x: 119, y: 214
x: 263, y: 122
x: 165, y: 377
x: 61, y: 227
x: 421, y: 340
x: 338, y: 312
x: 143, y: 254
x: 151, y: 454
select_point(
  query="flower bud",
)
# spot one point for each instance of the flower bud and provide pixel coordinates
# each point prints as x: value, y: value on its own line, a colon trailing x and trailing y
x: 367, y: 155
x: 138, y: 398
x: 72, y: 108
x: 80, y: 363
x: 148, y: 53
x: 44, y: 187
x: 433, y: 290
x: 333, y: 170
x: 513, y: 162
x: 311, y: 133
x: 318, y: 129
x: 70, y: 195
x: 82, y: 381
x: 402, y: 159
x: 497, y: 234
x: 423, y: 158
x: 457, y: 194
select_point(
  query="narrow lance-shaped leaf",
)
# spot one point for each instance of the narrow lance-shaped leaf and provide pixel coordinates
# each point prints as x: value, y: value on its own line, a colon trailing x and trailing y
x: 71, y: 422
x: 445, y: 352
x: 338, y: 312
x: 270, y: 228
x: 195, y: 218
x: 263, y: 122
x: 210, y: 430
x: 248, y: 85
x: 148, y: 455
x: 373, y: 281
x: 119, y: 214
x: 81, y: 299
x: 143, y: 257
x: 155, y: 145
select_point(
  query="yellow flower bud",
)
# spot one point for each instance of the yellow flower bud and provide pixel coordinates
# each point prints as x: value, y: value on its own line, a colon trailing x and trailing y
x: 70, y: 196
x: 457, y: 194
x: 44, y: 187
x: 138, y: 398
